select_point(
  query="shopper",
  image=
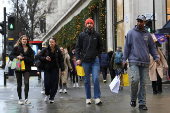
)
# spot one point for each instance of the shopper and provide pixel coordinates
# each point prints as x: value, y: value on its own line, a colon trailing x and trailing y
x: 23, y: 51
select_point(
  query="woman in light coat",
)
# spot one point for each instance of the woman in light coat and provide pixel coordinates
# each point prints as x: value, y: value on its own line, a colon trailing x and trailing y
x: 156, y: 72
x: 63, y: 79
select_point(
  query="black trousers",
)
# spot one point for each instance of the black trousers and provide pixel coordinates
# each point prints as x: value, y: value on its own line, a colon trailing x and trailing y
x: 19, y: 83
x: 112, y: 73
x: 51, y: 79
x: 157, y: 85
x: 75, y: 76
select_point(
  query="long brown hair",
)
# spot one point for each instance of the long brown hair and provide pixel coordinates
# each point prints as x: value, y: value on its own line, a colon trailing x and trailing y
x: 19, y: 40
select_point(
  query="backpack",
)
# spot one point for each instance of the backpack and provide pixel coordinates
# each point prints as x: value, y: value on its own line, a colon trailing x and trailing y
x: 118, y: 58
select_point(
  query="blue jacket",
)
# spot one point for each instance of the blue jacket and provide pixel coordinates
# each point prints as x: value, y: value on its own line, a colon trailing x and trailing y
x: 104, y: 60
x: 138, y: 45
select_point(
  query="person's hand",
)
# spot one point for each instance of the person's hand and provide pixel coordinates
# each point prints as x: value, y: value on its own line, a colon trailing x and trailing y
x: 63, y: 73
x: 124, y: 63
x: 71, y: 70
x: 20, y: 57
x: 38, y: 73
x: 48, y: 58
x: 158, y: 62
x: 78, y: 62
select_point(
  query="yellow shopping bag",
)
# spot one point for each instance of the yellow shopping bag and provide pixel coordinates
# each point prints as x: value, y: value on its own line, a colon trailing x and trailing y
x: 22, y: 66
x: 125, y: 79
x: 80, y: 70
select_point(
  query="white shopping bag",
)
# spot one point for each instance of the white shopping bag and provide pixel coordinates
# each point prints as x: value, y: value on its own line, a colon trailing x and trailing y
x: 114, y: 85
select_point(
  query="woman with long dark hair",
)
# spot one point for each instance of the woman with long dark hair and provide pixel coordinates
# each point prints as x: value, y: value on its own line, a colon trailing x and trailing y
x: 23, y: 51
x: 52, y: 58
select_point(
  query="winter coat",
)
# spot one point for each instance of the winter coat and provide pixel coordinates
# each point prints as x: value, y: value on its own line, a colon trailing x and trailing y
x: 104, y: 60
x: 112, y: 61
x: 153, y: 67
x: 58, y: 57
x: 28, y: 57
x: 90, y: 44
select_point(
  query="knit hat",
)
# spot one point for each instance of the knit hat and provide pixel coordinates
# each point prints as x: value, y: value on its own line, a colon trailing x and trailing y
x: 89, y: 20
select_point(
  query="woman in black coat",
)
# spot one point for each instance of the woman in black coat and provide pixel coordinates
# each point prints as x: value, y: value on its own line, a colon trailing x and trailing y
x: 52, y: 58
x: 23, y: 51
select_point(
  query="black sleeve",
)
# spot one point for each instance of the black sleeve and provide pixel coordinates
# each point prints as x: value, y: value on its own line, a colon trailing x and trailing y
x: 13, y: 53
x: 78, y: 47
x: 100, y: 46
x: 42, y: 56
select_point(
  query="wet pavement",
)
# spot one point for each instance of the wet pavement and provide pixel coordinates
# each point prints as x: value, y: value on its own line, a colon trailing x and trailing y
x: 74, y: 100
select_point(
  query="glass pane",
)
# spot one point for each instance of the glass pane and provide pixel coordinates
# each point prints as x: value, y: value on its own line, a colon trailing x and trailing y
x: 119, y: 10
x: 168, y: 6
x: 120, y: 35
x: 168, y: 17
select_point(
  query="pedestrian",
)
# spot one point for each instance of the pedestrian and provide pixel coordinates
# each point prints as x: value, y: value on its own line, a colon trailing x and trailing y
x: 71, y: 54
x: 156, y: 72
x: 112, y: 71
x: 138, y: 45
x: 52, y: 58
x: 38, y: 70
x: 90, y: 44
x: 104, y: 64
x: 116, y: 61
x: 63, y: 79
x: 75, y: 76
x: 23, y: 51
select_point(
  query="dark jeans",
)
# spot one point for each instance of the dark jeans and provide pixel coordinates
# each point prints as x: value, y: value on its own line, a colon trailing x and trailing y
x: 51, y: 79
x: 19, y: 83
x: 104, y: 72
x: 157, y: 85
x: 75, y: 76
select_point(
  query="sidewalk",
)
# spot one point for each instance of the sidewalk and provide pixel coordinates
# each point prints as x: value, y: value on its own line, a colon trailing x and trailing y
x: 74, y: 100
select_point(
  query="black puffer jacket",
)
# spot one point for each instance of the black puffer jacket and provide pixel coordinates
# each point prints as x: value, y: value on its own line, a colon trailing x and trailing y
x: 58, y: 55
x: 90, y: 44
x: 28, y: 58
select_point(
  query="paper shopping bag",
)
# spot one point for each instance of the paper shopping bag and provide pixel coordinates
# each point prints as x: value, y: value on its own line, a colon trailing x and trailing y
x: 22, y: 65
x: 125, y: 79
x: 16, y: 64
x: 114, y: 85
x: 80, y: 70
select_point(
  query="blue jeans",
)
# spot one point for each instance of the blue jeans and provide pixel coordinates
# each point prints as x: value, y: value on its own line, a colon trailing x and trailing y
x: 94, y: 68
x: 139, y: 73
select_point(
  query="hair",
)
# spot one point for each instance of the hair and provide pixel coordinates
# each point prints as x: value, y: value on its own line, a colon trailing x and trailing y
x: 19, y: 40
x: 104, y: 50
x: 110, y: 49
x: 73, y: 56
x: 53, y: 39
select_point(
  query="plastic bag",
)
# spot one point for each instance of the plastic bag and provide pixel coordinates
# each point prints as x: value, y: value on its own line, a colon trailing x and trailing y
x: 80, y: 70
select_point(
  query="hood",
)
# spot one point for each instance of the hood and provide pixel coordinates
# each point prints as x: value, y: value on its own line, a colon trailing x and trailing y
x: 136, y: 28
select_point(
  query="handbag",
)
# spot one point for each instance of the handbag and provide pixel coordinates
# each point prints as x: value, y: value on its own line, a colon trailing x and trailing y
x: 114, y: 85
x: 16, y: 64
x: 22, y: 65
x: 125, y: 79
x: 80, y: 70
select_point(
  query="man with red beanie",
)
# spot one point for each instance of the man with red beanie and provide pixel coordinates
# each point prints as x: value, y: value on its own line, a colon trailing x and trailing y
x: 90, y: 45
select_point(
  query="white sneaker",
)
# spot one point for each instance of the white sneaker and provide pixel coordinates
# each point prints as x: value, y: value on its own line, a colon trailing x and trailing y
x: 88, y: 101
x: 51, y: 101
x: 27, y: 102
x: 20, y: 102
x: 61, y: 90
x: 46, y: 98
x: 74, y: 85
x: 77, y: 85
x: 65, y: 91
x: 98, y: 101
x: 42, y: 92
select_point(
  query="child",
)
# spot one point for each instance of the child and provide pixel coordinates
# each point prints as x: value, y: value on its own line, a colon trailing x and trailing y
x: 74, y: 64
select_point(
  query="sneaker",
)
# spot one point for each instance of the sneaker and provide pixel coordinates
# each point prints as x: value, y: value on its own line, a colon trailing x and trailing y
x: 51, y: 101
x: 61, y: 90
x: 65, y: 91
x: 20, y: 102
x: 74, y: 85
x: 42, y: 92
x: 88, y: 101
x: 133, y: 103
x: 46, y: 98
x: 104, y: 81
x: 77, y: 85
x: 27, y: 102
x: 98, y: 101
x: 143, y: 107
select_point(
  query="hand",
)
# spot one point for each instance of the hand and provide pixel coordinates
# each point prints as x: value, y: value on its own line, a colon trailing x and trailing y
x: 38, y: 73
x: 124, y: 63
x: 158, y: 62
x: 63, y: 73
x: 78, y: 62
x: 71, y: 70
x: 48, y: 58
x: 20, y: 57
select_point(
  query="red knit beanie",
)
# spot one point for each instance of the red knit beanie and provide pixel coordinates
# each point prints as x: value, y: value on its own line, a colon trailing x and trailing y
x: 89, y: 20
